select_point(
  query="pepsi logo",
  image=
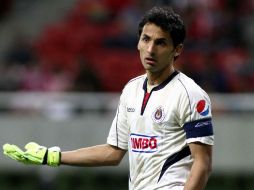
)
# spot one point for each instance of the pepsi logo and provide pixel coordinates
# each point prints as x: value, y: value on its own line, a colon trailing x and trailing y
x: 202, y: 108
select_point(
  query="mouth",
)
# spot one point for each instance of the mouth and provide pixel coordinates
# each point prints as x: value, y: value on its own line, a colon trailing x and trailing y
x: 150, y: 61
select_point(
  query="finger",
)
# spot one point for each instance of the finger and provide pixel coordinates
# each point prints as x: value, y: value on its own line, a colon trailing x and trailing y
x: 8, y: 148
x: 31, y: 145
x: 15, y: 156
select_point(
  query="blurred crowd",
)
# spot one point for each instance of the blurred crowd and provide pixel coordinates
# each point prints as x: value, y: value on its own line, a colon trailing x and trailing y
x: 94, y: 47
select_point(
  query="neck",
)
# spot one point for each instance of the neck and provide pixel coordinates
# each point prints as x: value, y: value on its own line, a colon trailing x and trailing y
x: 157, y: 78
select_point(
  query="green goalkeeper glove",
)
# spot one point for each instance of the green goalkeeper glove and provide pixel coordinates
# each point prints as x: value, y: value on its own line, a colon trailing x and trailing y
x: 34, y: 154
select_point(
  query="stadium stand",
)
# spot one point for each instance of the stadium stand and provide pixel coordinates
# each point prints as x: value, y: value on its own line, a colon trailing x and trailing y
x: 102, y: 33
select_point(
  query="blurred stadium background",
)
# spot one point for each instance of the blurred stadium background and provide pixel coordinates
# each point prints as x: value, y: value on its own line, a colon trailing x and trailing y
x: 63, y: 64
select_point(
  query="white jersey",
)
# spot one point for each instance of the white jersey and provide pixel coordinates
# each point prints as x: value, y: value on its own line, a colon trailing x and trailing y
x: 156, y: 128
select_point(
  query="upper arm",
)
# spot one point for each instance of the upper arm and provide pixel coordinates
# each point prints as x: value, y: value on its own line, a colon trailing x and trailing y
x: 202, y: 153
x: 202, y: 166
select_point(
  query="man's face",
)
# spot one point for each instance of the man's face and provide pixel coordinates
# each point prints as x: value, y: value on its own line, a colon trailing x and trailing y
x: 156, y: 49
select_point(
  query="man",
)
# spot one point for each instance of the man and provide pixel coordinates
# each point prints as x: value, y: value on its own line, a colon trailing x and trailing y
x: 163, y: 119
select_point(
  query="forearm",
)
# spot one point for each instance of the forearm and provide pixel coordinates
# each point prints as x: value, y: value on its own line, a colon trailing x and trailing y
x: 100, y: 155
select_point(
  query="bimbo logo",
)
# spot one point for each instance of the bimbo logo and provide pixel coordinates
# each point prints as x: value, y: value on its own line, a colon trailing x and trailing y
x: 143, y: 143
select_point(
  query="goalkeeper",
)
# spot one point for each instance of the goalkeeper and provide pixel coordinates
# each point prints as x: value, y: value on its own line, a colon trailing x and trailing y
x: 163, y: 119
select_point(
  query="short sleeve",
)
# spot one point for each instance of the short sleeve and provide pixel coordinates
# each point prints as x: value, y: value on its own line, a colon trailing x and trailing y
x: 196, y: 116
x: 118, y: 134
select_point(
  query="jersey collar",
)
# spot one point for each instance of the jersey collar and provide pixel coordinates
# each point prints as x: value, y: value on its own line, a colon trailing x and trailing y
x: 163, y: 84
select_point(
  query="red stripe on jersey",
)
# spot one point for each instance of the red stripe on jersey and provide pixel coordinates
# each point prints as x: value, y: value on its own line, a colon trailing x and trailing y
x: 145, y: 100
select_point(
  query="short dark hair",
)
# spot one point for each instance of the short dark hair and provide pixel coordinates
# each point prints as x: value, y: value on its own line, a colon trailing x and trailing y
x: 167, y: 20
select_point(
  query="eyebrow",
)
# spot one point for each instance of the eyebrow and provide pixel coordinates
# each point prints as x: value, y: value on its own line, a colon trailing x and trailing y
x: 161, y: 40
x: 158, y: 39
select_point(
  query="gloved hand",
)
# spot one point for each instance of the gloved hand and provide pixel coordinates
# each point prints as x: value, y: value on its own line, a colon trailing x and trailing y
x: 34, y: 154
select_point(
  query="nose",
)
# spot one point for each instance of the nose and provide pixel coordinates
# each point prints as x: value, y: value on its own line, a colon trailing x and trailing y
x: 151, y: 47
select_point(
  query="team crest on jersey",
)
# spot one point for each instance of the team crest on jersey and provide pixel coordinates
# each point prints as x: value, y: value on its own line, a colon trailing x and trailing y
x: 203, y: 108
x: 158, y: 115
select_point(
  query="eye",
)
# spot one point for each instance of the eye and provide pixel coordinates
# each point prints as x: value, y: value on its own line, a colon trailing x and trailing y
x: 161, y: 42
x: 145, y: 39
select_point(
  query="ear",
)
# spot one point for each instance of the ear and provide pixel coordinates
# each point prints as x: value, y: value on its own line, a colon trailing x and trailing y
x: 178, y: 50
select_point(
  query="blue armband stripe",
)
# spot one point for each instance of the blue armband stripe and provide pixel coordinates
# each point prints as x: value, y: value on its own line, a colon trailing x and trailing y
x: 199, y: 128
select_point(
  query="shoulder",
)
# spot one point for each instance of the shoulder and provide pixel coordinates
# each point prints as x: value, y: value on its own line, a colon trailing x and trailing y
x: 135, y: 82
x: 189, y: 87
x: 133, y: 85
x: 193, y: 100
x: 189, y: 92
